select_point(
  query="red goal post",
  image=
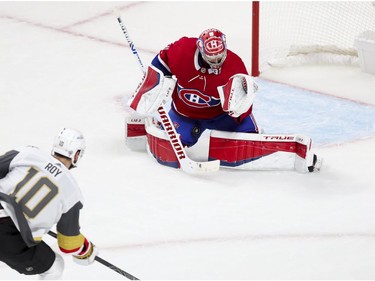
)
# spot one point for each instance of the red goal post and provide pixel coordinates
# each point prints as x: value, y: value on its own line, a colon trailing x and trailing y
x: 299, y: 30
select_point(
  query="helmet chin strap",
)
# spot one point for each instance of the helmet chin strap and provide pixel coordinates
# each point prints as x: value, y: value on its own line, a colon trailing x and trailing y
x: 73, y: 165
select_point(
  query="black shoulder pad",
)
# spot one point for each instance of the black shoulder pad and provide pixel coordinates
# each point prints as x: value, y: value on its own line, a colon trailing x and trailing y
x: 5, y: 162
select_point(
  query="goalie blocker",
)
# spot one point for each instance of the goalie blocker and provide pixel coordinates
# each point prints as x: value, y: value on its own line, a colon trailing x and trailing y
x: 154, y: 90
x: 238, y: 150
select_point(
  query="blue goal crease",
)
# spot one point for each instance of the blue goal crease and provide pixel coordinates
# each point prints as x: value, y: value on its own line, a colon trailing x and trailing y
x: 281, y: 109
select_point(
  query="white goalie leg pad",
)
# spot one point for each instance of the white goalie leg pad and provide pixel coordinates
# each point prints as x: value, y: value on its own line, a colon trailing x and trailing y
x: 56, y: 270
x: 135, y: 132
x: 261, y: 151
x: 153, y: 91
x: 304, y: 159
x: 238, y: 94
x: 307, y: 161
x: 159, y: 145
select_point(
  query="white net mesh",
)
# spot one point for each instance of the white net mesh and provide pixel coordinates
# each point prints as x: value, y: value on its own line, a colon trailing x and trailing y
x: 324, y: 27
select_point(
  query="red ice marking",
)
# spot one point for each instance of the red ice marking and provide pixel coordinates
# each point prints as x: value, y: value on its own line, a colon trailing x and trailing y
x: 66, y: 29
x: 108, y: 13
x: 247, y: 237
x: 62, y: 30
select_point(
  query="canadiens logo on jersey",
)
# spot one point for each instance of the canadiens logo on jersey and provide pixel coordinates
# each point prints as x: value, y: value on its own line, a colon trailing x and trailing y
x: 195, y: 98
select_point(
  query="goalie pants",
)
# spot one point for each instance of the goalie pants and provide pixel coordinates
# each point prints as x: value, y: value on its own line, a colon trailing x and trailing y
x: 190, y: 129
x: 17, y: 255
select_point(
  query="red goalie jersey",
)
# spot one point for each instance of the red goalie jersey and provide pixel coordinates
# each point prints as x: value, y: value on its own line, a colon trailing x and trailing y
x: 196, y: 95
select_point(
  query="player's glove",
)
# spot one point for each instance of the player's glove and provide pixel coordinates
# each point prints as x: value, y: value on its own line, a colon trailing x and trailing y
x: 87, y: 254
x: 237, y: 95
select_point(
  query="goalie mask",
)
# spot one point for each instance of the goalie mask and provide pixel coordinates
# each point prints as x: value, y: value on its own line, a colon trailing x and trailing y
x: 67, y: 143
x: 212, y: 46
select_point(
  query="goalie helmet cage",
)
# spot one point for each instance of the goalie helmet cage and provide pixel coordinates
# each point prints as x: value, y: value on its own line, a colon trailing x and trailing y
x: 278, y: 26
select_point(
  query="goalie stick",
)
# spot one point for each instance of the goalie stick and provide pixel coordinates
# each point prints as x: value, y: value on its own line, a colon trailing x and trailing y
x: 104, y: 262
x: 186, y: 164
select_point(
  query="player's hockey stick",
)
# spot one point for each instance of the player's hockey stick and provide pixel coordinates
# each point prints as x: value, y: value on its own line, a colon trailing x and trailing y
x: 188, y: 165
x: 107, y: 264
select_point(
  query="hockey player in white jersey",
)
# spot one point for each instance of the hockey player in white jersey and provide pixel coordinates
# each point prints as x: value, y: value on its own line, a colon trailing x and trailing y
x: 37, y: 191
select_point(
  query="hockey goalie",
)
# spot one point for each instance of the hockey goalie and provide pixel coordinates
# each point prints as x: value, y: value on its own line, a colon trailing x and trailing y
x: 207, y: 87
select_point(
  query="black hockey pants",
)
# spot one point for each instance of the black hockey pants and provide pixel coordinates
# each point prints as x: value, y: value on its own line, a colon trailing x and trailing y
x: 16, y: 254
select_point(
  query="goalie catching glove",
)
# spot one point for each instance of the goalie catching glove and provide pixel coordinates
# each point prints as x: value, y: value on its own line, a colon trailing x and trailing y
x: 87, y: 253
x: 154, y: 90
x: 237, y: 95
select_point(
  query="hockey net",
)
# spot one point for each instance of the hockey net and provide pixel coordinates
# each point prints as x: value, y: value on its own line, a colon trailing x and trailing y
x: 294, y: 33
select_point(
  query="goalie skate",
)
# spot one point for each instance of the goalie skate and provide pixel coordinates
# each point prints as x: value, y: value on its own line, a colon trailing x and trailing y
x: 317, y: 164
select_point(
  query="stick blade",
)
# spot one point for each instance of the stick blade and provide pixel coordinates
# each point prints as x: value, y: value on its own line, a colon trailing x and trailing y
x: 193, y: 167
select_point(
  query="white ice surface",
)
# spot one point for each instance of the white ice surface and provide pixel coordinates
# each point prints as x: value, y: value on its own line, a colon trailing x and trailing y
x: 67, y: 64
